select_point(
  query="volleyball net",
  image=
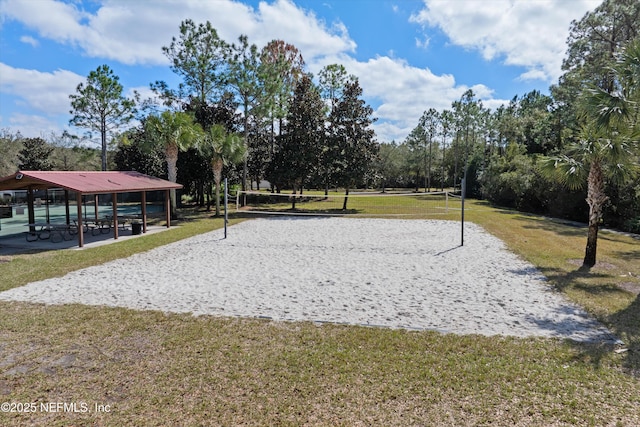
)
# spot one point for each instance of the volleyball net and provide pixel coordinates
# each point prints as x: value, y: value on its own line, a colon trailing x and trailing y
x: 441, y: 203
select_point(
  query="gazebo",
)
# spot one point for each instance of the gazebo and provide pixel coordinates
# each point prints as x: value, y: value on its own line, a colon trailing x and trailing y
x: 83, y: 183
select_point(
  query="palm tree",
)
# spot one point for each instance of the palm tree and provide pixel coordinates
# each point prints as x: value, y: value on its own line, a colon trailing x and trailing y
x: 174, y: 132
x: 222, y: 149
x: 609, y: 142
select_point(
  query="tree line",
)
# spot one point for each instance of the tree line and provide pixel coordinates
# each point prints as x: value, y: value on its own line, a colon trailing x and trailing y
x: 572, y: 154
x: 259, y: 115
x: 280, y: 124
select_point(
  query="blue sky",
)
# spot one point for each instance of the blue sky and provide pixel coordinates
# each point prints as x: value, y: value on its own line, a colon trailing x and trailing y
x: 409, y: 55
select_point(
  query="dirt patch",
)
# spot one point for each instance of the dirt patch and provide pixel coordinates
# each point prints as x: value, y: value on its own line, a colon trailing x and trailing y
x: 634, y: 288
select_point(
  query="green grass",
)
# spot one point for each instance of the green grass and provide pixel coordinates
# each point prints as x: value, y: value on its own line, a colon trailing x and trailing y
x: 28, y: 268
x: 159, y: 369
x: 406, y: 205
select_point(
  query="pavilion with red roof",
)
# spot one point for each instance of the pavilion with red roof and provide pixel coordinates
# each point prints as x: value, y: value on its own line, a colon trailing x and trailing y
x: 94, y: 183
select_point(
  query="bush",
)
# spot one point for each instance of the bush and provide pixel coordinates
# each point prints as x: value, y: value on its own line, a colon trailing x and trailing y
x: 516, y: 181
x: 632, y: 225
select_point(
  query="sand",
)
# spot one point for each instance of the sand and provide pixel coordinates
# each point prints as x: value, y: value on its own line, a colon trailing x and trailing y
x: 378, y: 272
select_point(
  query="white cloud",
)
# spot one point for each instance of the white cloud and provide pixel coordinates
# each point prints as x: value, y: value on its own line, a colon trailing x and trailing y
x: 134, y: 32
x: 423, y: 43
x: 403, y: 92
x: 42, y: 91
x: 533, y: 75
x: 144, y: 92
x: 29, y: 40
x: 33, y: 126
x: 529, y: 34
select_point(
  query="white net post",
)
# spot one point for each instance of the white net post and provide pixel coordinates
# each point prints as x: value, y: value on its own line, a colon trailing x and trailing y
x: 226, y: 207
x: 464, y: 190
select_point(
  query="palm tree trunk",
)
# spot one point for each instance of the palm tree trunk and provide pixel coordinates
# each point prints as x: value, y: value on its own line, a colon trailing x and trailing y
x: 217, y: 177
x: 596, y: 198
x: 171, y: 152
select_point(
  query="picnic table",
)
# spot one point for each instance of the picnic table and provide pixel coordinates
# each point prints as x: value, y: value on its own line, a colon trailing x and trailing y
x: 56, y: 232
x: 97, y: 226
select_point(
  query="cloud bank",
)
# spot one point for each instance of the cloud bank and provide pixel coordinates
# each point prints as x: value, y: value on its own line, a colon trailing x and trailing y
x: 528, y: 34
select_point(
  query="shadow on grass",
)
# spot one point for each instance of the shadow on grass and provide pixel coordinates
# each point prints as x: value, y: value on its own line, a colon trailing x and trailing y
x: 626, y: 324
x: 631, y: 255
x: 562, y: 279
x: 561, y: 228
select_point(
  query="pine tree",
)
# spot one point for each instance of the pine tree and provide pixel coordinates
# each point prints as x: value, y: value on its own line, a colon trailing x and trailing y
x: 351, y: 139
x: 35, y: 155
x: 299, y: 149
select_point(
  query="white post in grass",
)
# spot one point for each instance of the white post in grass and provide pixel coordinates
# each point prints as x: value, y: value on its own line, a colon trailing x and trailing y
x: 463, y: 191
x: 226, y: 207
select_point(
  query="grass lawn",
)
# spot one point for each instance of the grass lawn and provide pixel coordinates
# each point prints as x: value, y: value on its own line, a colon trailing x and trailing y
x: 79, y: 365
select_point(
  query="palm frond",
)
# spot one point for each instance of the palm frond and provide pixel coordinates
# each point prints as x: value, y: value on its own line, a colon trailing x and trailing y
x: 606, y: 110
x: 569, y: 171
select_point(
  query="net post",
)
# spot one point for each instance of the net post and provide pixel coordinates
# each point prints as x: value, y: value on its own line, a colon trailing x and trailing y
x: 446, y: 202
x: 226, y: 207
x: 463, y: 191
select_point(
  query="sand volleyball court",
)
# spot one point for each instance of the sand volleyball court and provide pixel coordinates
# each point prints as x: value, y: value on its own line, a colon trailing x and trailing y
x: 379, y: 272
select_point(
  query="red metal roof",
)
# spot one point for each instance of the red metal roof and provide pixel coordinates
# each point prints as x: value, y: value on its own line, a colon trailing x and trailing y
x: 86, y: 182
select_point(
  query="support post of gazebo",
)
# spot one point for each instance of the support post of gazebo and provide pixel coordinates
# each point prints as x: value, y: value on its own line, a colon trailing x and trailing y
x: 30, y: 210
x: 167, y: 206
x: 80, y: 225
x: 114, y: 203
x: 66, y: 206
x: 144, y: 211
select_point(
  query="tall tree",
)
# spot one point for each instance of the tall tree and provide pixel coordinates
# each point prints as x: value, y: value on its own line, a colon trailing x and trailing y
x: 352, y: 139
x: 135, y: 153
x: 173, y: 132
x: 333, y: 81
x: 244, y: 79
x: 536, y: 123
x: 446, y: 127
x: 389, y: 165
x: 100, y: 106
x: 609, y: 142
x: 429, y: 122
x: 299, y: 149
x: 222, y: 112
x: 416, y: 143
x: 35, y: 155
x: 221, y: 149
x: 282, y: 67
x: 199, y: 56
x: 468, y: 114
x: 593, y: 43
